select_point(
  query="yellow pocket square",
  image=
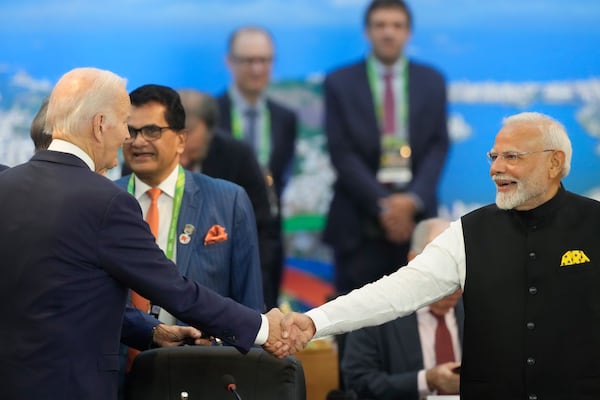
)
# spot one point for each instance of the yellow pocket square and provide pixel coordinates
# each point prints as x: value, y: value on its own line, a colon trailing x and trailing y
x: 574, y: 257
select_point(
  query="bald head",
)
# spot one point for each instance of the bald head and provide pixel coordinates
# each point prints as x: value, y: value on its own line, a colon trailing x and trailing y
x: 425, y: 232
x: 89, y: 108
x: 78, y: 96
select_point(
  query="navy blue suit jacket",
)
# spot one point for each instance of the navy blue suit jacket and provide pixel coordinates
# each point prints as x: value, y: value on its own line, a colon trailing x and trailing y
x: 3, y: 167
x: 234, y: 160
x: 354, y: 142
x: 72, y: 243
x: 232, y: 267
x: 382, y: 362
x: 284, y: 130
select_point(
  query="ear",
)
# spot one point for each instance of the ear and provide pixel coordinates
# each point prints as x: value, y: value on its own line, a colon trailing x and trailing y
x: 557, y: 161
x: 181, y: 139
x: 98, y: 126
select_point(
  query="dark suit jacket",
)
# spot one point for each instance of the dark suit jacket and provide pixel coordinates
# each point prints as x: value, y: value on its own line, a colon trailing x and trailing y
x: 382, y: 362
x: 232, y: 267
x: 354, y: 142
x: 3, y: 167
x: 233, y: 160
x: 72, y: 243
x: 284, y: 129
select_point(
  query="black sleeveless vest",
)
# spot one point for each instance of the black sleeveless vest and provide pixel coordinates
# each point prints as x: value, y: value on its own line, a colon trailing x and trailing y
x: 532, y: 302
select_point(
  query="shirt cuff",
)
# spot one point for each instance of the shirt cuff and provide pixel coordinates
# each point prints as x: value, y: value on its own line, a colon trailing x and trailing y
x: 319, y: 319
x: 422, y: 385
x: 263, y: 331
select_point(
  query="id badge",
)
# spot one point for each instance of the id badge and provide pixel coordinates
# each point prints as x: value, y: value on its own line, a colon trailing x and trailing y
x: 395, y: 166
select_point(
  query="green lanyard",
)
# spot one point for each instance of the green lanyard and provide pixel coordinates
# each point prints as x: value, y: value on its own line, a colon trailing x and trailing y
x: 176, y: 208
x: 402, y: 105
x: 264, y: 143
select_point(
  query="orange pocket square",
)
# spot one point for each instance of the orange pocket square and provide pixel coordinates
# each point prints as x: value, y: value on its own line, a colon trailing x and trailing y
x: 215, y: 234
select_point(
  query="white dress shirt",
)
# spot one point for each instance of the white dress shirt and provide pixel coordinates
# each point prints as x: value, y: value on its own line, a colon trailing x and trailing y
x: 427, y: 324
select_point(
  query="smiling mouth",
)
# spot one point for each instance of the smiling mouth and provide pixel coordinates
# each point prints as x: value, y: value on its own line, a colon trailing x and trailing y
x: 141, y: 156
x: 503, y: 183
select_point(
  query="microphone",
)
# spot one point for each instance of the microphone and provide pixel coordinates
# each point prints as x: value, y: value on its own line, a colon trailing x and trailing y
x: 231, y: 386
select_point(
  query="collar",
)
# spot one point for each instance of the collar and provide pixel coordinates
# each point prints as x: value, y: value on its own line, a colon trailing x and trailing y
x: 167, y: 186
x: 397, y: 68
x: 242, y: 105
x: 544, y: 211
x: 67, y: 147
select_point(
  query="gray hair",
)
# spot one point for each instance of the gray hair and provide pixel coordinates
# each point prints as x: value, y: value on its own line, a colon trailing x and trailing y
x: 425, y: 231
x: 200, y: 105
x: 78, y: 96
x: 554, y: 134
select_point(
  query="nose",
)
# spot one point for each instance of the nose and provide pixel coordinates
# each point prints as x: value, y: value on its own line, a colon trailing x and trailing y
x: 497, y: 166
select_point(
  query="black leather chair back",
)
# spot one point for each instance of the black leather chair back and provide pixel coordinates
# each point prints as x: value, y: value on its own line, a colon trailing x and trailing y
x: 165, y: 373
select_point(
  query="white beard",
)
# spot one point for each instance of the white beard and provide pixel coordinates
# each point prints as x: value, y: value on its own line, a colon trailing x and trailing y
x: 525, y: 190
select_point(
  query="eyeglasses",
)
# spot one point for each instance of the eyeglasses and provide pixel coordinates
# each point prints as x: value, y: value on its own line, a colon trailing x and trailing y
x: 148, y: 132
x: 249, y: 61
x: 511, y: 157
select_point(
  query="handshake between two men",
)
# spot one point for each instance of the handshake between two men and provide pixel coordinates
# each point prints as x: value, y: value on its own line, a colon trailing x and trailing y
x: 288, y: 334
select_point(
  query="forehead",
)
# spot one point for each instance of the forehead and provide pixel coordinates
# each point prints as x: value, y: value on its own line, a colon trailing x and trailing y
x: 252, y: 43
x: 521, y: 136
x: 395, y: 14
x: 149, y: 113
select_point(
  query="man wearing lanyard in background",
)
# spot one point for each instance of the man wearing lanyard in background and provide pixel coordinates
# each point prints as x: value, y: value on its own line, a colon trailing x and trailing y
x: 385, y: 119
x: 206, y: 226
x: 270, y: 128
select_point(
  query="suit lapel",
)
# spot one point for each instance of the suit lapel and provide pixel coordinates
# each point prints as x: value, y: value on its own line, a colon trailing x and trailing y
x: 365, y: 97
x: 191, y: 204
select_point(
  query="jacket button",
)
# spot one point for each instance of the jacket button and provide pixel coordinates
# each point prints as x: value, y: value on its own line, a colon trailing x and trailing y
x: 532, y: 290
x: 532, y: 256
x: 531, y: 361
x: 531, y: 326
x: 532, y: 397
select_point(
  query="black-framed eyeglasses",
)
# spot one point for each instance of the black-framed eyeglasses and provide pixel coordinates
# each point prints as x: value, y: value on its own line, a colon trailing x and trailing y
x: 511, y: 157
x: 148, y: 132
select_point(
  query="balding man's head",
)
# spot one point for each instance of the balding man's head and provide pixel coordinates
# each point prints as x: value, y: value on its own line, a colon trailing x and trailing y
x: 202, y: 114
x: 89, y: 107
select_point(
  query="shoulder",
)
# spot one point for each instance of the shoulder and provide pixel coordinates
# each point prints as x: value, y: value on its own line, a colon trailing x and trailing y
x: 230, y: 145
x: 347, y: 72
x: 425, y: 71
x: 122, y: 181
x: 223, y: 99
x: 207, y: 184
x: 280, y: 109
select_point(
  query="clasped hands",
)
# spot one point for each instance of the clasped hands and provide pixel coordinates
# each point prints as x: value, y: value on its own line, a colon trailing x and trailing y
x: 397, y: 217
x: 288, y: 333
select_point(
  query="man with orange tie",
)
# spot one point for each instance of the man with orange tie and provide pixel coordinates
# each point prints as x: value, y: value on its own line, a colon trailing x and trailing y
x: 385, y: 119
x: 410, y: 357
x: 205, y: 225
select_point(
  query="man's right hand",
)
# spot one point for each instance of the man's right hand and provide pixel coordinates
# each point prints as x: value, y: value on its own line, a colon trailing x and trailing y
x: 299, y: 329
x: 442, y: 378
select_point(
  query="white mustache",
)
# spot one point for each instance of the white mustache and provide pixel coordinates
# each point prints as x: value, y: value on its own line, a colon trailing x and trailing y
x: 500, y: 177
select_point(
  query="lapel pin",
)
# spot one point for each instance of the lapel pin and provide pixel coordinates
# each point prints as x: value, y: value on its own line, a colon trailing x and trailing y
x: 186, y: 236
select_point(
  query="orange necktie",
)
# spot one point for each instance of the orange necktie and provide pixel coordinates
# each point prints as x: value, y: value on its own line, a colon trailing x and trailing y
x: 137, y: 300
